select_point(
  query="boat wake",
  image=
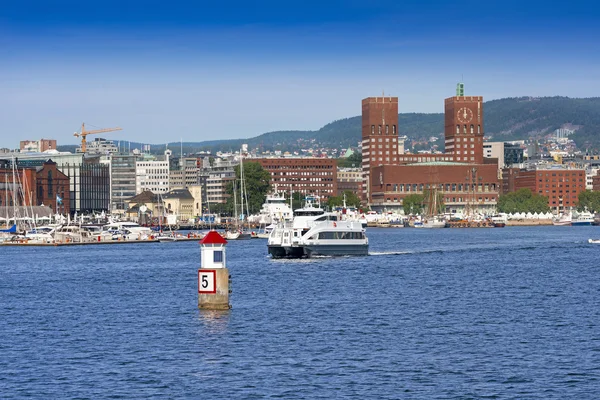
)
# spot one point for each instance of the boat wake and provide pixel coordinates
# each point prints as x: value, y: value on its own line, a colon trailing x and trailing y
x: 390, y: 253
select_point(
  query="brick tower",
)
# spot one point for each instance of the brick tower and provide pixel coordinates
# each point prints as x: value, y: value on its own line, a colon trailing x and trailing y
x: 379, y: 136
x: 463, y: 127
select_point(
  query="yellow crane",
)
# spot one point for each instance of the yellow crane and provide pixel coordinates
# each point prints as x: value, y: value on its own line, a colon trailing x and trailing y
x: 84, y: 133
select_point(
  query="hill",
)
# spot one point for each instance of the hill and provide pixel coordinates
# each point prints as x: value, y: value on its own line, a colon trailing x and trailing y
x: 519, y: 118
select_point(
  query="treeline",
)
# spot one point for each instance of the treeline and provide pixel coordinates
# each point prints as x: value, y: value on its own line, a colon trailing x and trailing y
x: 523, y: 201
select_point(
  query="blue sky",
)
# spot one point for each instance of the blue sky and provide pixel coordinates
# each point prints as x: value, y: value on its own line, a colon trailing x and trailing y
x: 165, y: 71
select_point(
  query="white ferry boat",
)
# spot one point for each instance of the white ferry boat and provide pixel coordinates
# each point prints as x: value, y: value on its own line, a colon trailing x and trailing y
x: 274, y: 209
x: 583, y: 219
x: 316, y: 232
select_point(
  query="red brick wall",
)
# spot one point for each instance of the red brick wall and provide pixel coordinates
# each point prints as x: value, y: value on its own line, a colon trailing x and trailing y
x: 48, y: 190
x: 466, y: 114
x: 562, y: 187
x: 393, y: 183
x: 316, y: 176
x: 26, y: 178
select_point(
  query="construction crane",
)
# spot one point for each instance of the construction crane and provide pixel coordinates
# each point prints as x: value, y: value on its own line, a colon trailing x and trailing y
x: 84, y: 133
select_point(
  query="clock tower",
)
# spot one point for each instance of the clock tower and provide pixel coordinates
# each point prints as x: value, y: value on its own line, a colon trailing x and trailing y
x: 463, y: 128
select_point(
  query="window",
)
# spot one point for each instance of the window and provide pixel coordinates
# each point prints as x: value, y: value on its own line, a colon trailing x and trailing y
x: 387, y: 129
x: 218, y: 256
x: 457, y: 129
x: 380, y: 129
x: 394, y: 129
x: 372, y: 129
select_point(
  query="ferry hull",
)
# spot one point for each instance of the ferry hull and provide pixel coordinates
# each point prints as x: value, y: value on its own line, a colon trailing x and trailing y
x: 285, y: 252
x: 336, y: 250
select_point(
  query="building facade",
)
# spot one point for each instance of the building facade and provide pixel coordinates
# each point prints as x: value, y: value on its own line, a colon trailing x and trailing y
x: 310, y: 176
x: 39, y: 146
x: 53, y: 188
x: 461, y: 174
x: 123, y: 181
x: 152, y: 175
x: 349, y: 179
x: 379, y: 136
x: 561, y: 186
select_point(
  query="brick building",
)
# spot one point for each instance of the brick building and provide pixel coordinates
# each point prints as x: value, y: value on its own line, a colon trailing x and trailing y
x: 379, y: 136
x: 34, y: 186
x: 316, y: 176
x: 17, y: 187
x: 37, y: 145
x: 460, y: 173
x: 561, y: 186
x: 53, y: 188
x: 460, y: 184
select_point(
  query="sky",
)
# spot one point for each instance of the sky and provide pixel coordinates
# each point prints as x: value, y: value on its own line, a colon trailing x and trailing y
x: 166, y: 71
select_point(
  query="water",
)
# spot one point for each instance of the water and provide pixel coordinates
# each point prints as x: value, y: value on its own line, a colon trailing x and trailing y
x: 453, y: 313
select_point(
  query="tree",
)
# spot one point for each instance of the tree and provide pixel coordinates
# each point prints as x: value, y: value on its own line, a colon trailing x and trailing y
x: 413, y: 204
x: 257, y: 184
x: 353, y: 161
x: 352, y: 200
x: 589, y: 201
x: 523, y: 201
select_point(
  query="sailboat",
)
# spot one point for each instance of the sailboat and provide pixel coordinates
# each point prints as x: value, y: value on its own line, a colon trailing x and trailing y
x: 239, y: 233
x: 432, y: 218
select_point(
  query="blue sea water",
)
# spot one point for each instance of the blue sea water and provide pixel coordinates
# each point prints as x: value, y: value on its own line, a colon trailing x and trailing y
x: 509, y: 313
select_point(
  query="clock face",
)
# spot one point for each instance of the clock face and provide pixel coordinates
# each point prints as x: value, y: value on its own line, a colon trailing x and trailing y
x: 464, y: 115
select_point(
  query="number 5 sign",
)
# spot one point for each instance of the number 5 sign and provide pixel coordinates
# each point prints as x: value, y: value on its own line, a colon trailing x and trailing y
x: 207, y: 279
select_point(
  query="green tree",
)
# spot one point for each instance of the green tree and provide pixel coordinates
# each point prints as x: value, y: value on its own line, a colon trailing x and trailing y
x: 352, y: 200
x: 589, y: 201
x: 257, y: 184
x: 523, y: 201
x: 413, y: 204
x: 353, y: 161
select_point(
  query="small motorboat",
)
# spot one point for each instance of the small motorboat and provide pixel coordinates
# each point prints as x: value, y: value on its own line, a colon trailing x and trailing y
x: 594, y: 241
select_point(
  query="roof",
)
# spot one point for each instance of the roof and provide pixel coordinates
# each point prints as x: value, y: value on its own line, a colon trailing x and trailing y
x: 25, y: 211
x: 440, y: 163
x: 178, y: 194
x: 145, y: 197
x: 213, y: 237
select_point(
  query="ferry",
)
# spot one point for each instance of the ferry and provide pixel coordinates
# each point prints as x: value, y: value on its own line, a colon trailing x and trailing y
x: 314, y: 232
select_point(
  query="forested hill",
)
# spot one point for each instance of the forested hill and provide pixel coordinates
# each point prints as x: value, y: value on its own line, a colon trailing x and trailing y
x: 505, y: 119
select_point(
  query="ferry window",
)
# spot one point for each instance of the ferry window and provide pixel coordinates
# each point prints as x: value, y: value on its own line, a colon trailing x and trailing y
x: 218, y: 256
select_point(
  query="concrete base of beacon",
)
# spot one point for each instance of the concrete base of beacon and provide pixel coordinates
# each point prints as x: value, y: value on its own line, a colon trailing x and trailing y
x: 220, y: 299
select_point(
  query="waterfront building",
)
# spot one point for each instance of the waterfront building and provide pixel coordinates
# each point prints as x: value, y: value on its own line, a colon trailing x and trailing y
x: 37, y: 146
x: 379, y: 137
x: 181, y: 201
x: 461, y: 173
x: 152, y: 174
x: 18, y: 186
x: 123, y: 181
x: 89, y: 178
x: 149, y: 202
x: 560, y: 184
x: 52, y: 188
x: 310, y: 176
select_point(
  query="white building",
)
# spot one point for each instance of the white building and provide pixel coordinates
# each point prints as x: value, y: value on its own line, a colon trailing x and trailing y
x: 100, y: 146
x: 152, y: 175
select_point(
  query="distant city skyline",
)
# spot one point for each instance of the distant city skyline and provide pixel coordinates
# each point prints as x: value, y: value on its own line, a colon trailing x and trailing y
x: 196, y: 72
